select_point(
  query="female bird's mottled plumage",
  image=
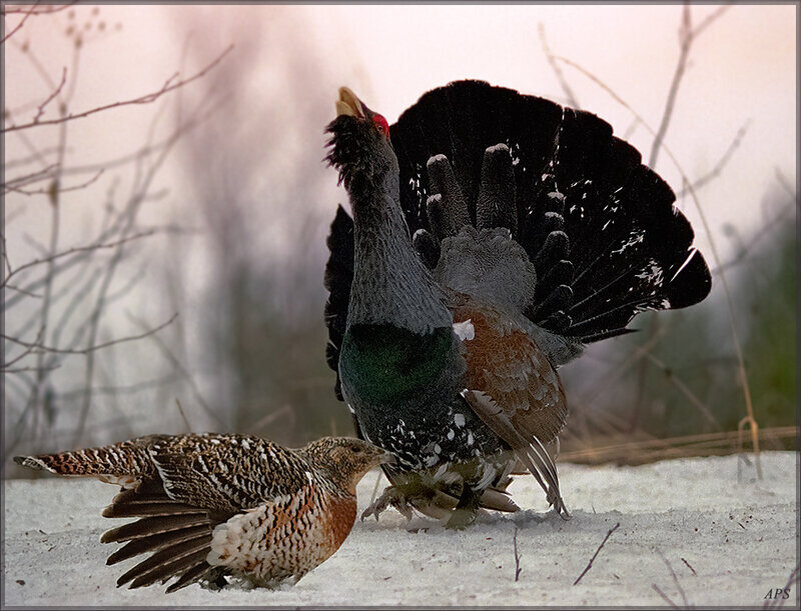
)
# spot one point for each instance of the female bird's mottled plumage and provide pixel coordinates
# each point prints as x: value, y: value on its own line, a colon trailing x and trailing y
x: 212, y: 505
x: 492, y: 236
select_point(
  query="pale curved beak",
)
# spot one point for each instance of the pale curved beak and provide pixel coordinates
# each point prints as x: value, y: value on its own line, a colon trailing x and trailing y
x: 348, y: 104
x: 388, y: 458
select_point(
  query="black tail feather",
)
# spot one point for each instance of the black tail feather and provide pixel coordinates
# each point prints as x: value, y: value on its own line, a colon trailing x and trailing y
x: 583, y: 198
x: 176, y: 535
x: 157, y: 541
x: 167, y: 563
x: 338, y: 278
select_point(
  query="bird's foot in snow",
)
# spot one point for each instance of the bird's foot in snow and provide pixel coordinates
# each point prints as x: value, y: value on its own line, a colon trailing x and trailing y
x: 461, y: 519
x: 393, y: 497
x: 464, y: 514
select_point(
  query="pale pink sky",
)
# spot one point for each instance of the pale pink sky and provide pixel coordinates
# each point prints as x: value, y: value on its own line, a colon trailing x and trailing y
x: 743, y: 69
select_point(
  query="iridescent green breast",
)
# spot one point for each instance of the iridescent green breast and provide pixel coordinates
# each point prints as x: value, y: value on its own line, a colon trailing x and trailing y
x: 381, y: 363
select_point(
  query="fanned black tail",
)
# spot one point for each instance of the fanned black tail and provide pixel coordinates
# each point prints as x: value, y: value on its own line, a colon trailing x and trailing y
x: 600, y: 227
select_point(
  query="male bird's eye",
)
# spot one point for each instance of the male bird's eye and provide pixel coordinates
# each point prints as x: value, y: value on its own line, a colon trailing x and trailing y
x: 381, y: 124
x: 355, y: 449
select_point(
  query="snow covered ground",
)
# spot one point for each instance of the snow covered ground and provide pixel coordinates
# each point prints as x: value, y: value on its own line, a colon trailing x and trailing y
x: 688, y: 528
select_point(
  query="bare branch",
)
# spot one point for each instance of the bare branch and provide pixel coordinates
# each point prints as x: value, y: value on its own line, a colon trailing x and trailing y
x: 710, y: 18
x: 183, y: 415
x: 41, y: 108
x: 77, y: 249
x: 589, y: 564
x: 686, y: 40
x: 664, y: 596
x: 675, y: 579
x: 28, y: 369
x: 25, y: 353
x: 687, y: 36
x: 715, y: 171
x: 716, y: 256
x: 181, y: 369
x: 120, y: 390
x: 44, y: 174
x: 756, y: 238
x: 273, y: 415
x: 11, y: 287
x: 749, y: 406
x: 171, y: 84
x: 571, y: 98
x: 18, y: 27
x: 60, y: 188
x: 38, y: 10
x: 795, y: 577
x: 784, y: 184
x: 685, y: 390
x: 36, y: 347
x: 517, y: 556
x: 37, y: 156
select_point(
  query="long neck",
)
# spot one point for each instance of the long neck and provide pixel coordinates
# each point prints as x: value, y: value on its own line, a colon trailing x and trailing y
x: 390, y: 283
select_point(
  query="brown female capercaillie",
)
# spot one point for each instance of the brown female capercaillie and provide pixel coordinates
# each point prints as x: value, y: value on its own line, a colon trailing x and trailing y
x: 214, y: 505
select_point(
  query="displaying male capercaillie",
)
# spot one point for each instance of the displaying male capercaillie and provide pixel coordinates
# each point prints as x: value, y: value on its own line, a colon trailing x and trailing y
x: 493, y: 235
x: 215, y: 505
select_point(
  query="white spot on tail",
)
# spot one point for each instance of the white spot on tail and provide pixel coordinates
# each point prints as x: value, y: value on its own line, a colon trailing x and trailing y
x: 464, y: 330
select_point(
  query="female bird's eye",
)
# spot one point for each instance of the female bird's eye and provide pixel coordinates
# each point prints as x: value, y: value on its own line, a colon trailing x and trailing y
x: 355, y: 449
x: 381, y: 124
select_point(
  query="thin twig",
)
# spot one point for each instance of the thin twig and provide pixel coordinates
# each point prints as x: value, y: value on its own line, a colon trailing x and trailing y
x: 730, y: 307
x: 25, y: 353
x: 28, y: 369
x: 689, y: 566
x: 735, y: 336
x: 183, y: 415
x: 675, y: 579
x: 795, y: 577
x: 262, y: 423
x: 664, y: 596
x: 88, y: 349
x: 62, y: 189
x: 517, y: 556
x: 685, y: 390
x: 171, y: 84
x: 36, y: 10
x: 41, y: 108
x: 718, y: 168
x: 782, y: 181
x: 687, y: 35
x: 174, y: 362
x: 755, y: 238
x: 18, y: 27
x: 685, y: 42
x: 77, y: 249
x: 571, y: 98
x: 589, y: 564
x: 122, y: 390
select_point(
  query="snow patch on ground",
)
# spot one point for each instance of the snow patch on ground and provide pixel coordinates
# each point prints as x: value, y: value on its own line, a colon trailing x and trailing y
x: 728, y: 540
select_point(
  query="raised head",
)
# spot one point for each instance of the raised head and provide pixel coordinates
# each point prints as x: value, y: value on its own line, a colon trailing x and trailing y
x: 360, y: 147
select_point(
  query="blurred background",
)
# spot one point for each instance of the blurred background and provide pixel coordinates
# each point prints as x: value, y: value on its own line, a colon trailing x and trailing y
x: 166, y: 208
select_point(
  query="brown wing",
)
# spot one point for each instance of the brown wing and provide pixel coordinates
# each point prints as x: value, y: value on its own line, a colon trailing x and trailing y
x: 513, y: 388
x: 177, y: 535
x: 200, y: 482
